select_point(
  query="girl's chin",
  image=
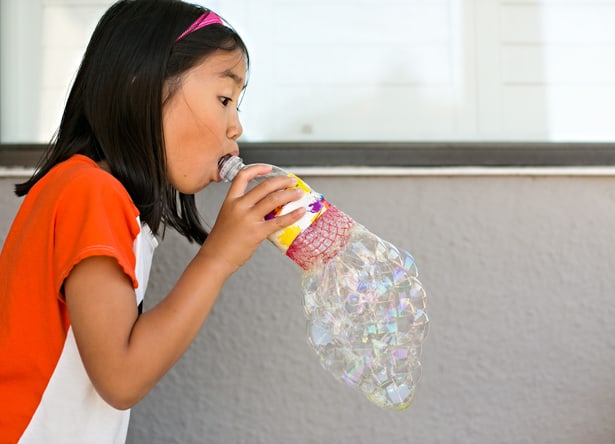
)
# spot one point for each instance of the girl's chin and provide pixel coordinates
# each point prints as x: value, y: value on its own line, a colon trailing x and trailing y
x: 193, y: 188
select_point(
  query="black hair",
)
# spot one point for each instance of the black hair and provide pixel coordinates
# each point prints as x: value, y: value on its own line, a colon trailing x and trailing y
x: 114, y: 108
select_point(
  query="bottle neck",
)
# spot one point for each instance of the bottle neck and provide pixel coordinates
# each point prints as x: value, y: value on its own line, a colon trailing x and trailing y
x: 229, y: 166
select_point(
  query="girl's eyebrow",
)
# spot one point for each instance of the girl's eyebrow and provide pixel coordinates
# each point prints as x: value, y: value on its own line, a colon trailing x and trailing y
x: 230, y: 74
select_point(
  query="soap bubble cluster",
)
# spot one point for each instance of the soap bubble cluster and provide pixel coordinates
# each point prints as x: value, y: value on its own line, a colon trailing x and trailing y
x: 366, y: 318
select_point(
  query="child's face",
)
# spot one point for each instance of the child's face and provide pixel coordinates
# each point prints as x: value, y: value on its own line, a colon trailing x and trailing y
x: 200, y: 120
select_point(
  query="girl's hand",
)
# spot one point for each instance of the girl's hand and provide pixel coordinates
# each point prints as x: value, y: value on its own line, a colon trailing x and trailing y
x: 241, y: 226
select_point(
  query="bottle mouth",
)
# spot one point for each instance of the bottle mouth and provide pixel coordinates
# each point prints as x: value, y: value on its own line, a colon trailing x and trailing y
x: 223, y: 159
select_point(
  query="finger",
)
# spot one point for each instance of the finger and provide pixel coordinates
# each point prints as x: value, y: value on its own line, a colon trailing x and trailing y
x: 276, y: 200
x: 272, y: 185
x: 240, y: 183
x: 285, y: 220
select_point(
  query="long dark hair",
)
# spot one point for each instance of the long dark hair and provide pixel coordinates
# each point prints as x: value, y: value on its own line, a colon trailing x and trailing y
x: 114, y: 109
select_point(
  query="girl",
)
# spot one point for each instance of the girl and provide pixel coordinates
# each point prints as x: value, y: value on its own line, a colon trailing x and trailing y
x: 151, y: 112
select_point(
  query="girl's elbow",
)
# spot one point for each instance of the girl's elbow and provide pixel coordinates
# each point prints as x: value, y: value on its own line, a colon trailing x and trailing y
x: 119, y: 397
x: 122, y: 402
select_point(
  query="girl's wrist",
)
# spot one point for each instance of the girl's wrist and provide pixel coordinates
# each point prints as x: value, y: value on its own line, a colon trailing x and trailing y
x: 214, y: 264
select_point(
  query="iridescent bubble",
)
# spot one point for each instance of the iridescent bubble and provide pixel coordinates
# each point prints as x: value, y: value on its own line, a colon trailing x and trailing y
x: 319, y: 334
x: 354, y: 374
x: 399, y: 393
x: 353, y: 304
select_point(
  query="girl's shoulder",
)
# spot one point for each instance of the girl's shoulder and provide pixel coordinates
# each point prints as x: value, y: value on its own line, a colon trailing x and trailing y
x: 80, y: 174
x: 81, y: 168
x: 80, y: 178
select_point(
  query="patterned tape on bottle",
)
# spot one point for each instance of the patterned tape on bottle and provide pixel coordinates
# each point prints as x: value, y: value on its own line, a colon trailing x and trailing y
x: 313, y: 202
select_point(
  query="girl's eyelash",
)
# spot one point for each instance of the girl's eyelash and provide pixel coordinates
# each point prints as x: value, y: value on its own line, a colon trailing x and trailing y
x: 226, y: 100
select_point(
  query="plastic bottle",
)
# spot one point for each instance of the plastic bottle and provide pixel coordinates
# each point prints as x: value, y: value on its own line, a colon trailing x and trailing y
x: 364, y: 305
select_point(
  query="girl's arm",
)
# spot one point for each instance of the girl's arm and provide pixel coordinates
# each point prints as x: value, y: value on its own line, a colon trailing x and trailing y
x: 126, y: 354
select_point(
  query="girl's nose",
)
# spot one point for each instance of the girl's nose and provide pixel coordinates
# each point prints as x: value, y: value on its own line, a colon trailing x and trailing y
x: 234, y: 129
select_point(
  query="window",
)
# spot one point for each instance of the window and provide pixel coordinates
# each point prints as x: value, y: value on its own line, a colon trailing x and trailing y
x: 377, y: 74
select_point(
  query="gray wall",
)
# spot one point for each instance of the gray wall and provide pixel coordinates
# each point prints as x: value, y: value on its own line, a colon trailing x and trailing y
x: 521, y: 300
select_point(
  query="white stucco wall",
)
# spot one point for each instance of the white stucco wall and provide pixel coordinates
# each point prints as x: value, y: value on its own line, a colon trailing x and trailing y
x: 519, y: 274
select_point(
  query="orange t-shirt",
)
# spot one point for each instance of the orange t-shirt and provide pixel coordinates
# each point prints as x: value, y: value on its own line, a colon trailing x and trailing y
x: 75, y: 211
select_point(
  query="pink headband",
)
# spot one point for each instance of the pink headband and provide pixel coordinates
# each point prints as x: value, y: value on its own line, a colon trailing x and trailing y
x: 207, y: 18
